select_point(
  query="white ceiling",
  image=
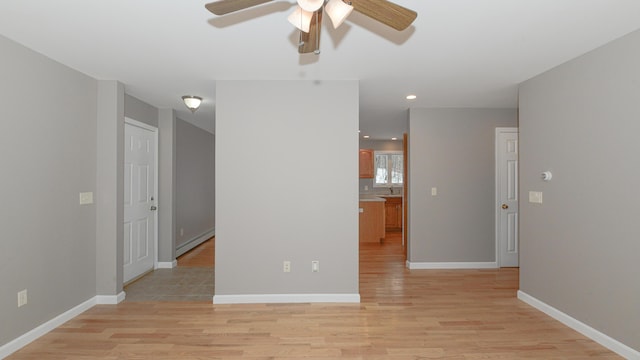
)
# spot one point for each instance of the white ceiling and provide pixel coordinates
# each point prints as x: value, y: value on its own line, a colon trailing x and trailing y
x: 458, y: 53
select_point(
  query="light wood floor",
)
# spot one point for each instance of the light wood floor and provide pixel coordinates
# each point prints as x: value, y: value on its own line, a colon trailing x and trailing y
x: 201, y: 256
x: 418, y: 314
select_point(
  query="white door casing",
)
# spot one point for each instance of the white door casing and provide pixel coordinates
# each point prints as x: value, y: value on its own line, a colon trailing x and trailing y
x: 507, y: 246
x: 140, y: 199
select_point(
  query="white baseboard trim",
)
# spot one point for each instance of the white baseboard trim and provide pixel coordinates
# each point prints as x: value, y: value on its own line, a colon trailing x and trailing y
x: 451, y: 265
x: 586, y: 330
x: 24, y: 340
x: 195, y: 242
x: 167, y: 264
x: 286, y: 298
x: 110, y: 299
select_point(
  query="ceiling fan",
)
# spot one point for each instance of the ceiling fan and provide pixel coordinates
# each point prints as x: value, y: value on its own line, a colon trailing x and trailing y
x: 308, y: 15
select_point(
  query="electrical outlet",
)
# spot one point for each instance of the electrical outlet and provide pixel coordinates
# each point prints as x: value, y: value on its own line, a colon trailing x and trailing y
x: 315, y: 266
x: 22, y: 298
x: 181, y: 231
x: 286, y: 266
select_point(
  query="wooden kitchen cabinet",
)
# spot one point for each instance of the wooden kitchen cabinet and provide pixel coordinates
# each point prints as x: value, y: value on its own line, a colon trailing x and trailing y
x: 393, y: 214
x: 366, y: 163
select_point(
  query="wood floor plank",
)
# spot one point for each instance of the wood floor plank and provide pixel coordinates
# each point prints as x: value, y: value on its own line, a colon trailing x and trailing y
x: 202, y: 255
x: 417, y: 314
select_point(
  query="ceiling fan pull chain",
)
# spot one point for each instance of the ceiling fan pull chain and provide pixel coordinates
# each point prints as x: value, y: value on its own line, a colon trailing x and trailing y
x: 317, y: 50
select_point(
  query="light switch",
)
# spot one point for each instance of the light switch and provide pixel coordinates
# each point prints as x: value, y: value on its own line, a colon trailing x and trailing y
x: 434, y: 191
x: 535, y: 197
x: 86, y: 198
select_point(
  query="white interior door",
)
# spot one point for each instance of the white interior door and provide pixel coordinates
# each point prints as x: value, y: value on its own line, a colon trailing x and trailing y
x: 140, y: 179
x: 507, y: 197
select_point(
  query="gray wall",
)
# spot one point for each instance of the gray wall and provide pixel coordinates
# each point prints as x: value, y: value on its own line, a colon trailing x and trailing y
x: 47, y: 240
x: 453, y: 150
x: 166, y: 185
x: 281, y: 192
x: 195, y: 182
x: 141, y: 111
x: 580, y: 248
x: 383, y: 145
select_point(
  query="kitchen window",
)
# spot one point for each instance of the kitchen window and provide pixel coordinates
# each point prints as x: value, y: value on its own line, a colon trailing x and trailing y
x: 388, y: 168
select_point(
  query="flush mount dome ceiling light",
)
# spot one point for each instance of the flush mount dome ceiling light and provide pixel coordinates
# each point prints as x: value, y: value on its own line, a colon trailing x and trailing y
x: 307, y: 16
x: 192, y: 102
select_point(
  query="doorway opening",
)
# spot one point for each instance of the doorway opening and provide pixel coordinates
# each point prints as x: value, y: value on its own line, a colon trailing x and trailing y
x: 140, y: 254
x: 506, y: 219
x: 191, y: 280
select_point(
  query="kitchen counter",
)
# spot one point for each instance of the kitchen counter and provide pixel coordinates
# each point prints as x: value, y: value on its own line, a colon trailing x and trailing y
x: 378, y: 197
x: 371, y: 197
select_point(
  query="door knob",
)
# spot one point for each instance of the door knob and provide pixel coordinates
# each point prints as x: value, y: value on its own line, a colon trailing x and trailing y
x: 505, y: 206
x: 153, y: 208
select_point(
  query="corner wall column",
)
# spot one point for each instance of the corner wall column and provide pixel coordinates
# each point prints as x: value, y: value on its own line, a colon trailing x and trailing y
x: 109, y: 188
x: 166, y: 186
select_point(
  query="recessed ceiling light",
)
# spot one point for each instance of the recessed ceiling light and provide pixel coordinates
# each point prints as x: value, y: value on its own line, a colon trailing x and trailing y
x: 366, y: 136
x: 411, y: 97
x: 394, y: 138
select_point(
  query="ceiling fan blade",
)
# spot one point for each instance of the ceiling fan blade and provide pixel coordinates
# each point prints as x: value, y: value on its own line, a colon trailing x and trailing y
x: 386, y: 12
x: 311, y: 40
x: 223, y: 7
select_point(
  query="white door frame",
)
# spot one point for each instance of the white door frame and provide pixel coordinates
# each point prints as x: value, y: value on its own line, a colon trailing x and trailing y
x: 498, y: 200
x: 153, y: 129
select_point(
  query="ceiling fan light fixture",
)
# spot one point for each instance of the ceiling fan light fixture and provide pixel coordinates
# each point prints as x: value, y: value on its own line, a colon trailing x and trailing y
x: 301, y: 19
x: 310, y: 5
x: 192, y: 102
x: 338, y: 11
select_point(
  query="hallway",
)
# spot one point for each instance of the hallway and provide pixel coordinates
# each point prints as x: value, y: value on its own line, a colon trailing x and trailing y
x: 191, y: 280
